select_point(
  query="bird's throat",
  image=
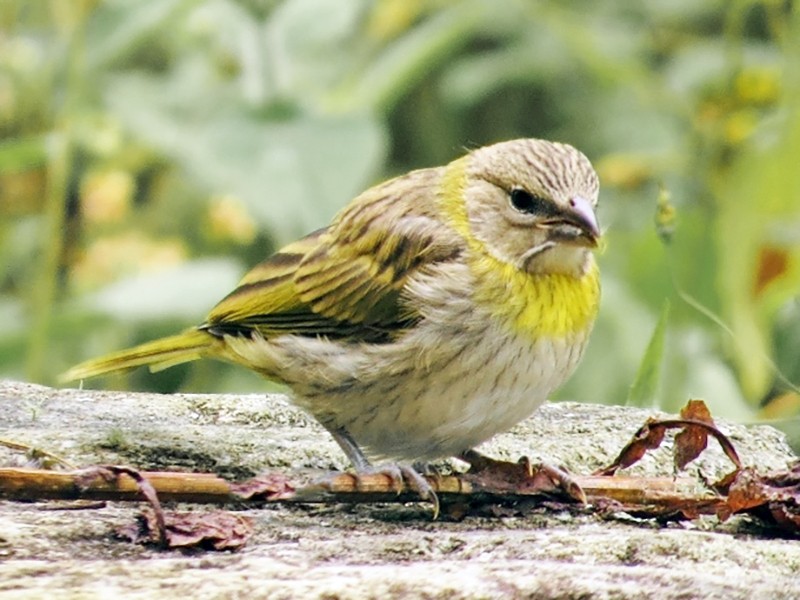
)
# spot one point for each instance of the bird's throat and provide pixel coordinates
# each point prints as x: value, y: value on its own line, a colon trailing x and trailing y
x: 552, y: 305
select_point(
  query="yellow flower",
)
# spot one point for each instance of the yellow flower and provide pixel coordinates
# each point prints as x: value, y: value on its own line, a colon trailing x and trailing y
x: 228, y: 219
x: 740, y: 125
x: 758, y: 86
x: 627, y: 171
x: 108, y: 258
x: 106, y: 196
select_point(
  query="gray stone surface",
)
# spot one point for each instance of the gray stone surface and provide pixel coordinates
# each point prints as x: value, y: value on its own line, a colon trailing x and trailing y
x: 375, y: 551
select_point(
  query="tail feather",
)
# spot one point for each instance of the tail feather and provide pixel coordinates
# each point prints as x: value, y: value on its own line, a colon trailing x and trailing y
x: 158, y: 354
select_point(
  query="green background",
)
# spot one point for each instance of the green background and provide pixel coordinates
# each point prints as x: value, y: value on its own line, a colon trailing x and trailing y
x: 152, y: 150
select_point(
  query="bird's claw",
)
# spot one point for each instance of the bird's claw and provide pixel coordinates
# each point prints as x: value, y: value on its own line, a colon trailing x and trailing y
x: 405, y: 477
x: 522, y: 474
x: 402, y: 478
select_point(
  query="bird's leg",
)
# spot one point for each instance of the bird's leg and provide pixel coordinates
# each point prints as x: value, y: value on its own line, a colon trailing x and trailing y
x: 350, y: 448
x: 523, y: 473
x: 401, y: 475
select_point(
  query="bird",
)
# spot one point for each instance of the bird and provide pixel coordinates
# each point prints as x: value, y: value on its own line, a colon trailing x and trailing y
x: 436, y: 310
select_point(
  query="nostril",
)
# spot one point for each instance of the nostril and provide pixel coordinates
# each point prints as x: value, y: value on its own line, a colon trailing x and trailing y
x: 572, y: 202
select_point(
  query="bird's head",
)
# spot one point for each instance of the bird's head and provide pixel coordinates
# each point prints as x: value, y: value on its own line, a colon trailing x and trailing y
x: 531, y: 203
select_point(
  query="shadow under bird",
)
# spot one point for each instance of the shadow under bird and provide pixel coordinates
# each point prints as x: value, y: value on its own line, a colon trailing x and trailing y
x: 437, y: 309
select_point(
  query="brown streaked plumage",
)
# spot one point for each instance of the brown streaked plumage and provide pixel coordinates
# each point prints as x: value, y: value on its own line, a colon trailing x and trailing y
x: 437, y: 309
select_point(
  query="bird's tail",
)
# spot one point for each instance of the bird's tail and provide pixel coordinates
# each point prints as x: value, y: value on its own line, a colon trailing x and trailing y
x: 158, y: 354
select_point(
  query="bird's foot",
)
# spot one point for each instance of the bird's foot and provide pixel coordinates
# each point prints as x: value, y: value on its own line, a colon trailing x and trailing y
x: 406, y: 477
x: 372, y: 479
x: 522, y: 474
x: 401, y: 477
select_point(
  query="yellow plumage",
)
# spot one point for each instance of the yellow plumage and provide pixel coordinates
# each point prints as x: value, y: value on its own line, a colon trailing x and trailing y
x: 553, y: 305
x: 158, y: 354
x: 437, y: 309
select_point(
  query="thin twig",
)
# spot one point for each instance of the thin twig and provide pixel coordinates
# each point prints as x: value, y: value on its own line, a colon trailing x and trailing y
x: 36, y: 452
x: 206, y: 488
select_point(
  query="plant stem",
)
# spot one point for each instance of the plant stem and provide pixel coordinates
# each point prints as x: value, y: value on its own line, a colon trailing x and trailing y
x: 59, y: 167
x: 45, y: 282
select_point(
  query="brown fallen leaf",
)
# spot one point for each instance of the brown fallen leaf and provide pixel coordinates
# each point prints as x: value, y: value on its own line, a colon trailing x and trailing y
x: 111, y: 473
x: 770, y: 496
x: 523, y: 475
x: 692, y: 440
x: 651, y: 435
x: 745, y: 491
x: 217, y: 530
x: 268, y: 487
x: 648, y: 437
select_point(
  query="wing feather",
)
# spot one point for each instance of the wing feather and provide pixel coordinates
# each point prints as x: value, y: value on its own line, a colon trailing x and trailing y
x: 346, y: 280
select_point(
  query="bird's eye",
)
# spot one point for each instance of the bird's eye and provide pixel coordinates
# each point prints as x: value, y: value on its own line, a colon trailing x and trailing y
x: 526, y: 202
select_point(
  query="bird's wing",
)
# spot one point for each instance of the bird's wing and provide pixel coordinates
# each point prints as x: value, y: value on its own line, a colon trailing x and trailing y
x: 346, y: 280
x: 266, y: 298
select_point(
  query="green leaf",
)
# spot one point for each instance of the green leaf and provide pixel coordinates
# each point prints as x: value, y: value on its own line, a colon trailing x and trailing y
x: 20, y: 153
x: 645, y: 385
x: 119, y: 26
x: 407, y: 60
x: 293, y: 174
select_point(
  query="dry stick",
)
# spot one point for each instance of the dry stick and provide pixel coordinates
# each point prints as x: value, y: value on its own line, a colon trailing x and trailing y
x: 665, y: 493
x: 38, y: 484
x: 653, y: 495
x: 35, y: 452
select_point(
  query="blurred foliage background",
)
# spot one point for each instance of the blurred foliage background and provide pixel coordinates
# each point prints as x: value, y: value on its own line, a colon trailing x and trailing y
x: 152, y: 150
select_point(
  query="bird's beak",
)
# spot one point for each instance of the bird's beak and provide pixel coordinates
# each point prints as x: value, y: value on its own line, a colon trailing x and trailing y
x: 577, y: 224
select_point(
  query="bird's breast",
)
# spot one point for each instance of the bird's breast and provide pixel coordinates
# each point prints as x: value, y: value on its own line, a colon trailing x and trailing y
x: 483, y: 356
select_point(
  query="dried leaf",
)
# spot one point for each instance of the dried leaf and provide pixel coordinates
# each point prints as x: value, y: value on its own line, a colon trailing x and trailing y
x: 521, y: 476
x: 692, y: 440
x: 751, y: 488
x: 217, y: 530
x: 786, y: 517
x: 269, y: 487
x: 110, y: 473
x: 772, y: 496
x: 688, y: 445
x: 747, y: 491
x: 648, y: 437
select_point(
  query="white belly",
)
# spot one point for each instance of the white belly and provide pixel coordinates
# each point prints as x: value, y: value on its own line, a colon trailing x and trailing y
x: 413, y: 403
x: 444, y: 412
